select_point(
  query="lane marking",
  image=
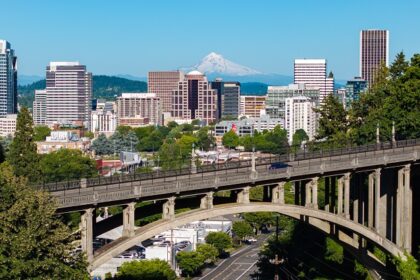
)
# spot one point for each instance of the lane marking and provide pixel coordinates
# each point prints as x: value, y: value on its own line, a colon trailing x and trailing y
x: 249, y: 268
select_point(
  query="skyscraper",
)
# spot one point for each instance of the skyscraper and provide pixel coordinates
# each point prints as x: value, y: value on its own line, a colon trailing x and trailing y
x: 139, y: 105
x: 300, y: 115
x: 374, y: 52
x: 354, y: 88
x: 228, y: 98
x: 193, y: 98
x: 163, y: 83
x: 313, y: 73
x: 39, y: 107
x: 68, y: 95
x: 252, y: 105
x: 8, y: 79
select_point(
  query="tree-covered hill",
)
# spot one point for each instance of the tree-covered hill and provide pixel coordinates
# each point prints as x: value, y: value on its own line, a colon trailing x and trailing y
x: 106, y: 87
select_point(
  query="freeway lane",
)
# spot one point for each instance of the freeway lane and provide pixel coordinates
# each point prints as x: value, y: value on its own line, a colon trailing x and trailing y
x: 239, y: 266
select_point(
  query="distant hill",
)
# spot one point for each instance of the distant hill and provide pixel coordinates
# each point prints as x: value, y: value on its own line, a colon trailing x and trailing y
x: 105, y: 87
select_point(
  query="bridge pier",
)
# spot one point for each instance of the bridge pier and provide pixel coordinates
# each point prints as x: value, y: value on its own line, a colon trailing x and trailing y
x: 311, y: 193
x: 169, y: 209
x: 243, y: 195
x: 129, y: 220
x: 404, y: 209
x: 207, y: 201
x: 371, y: 181
x: 377, y: 175
x: 86, y: 232
x: 277, y: 193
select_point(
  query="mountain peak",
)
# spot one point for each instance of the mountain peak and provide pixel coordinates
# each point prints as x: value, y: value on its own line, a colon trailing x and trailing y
x: 216, y: 63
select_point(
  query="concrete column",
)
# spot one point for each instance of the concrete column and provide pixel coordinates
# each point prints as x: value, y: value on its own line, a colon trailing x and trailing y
x: 408, y: 210
x: 243, y: 195
x: 340, y: 196
x: 129, y: 220
x: 378, y: 199
x: 169, y: 209
x: 332, y: 192
x: 327, y: 194
x: 207, y: 201
x: 315, y: 192
x: 308, y: 195
x: 346, y: 179
x: 86, y: 230
x: 399, y: 209
x: 277, y: 193
x: 266, y: 193
x: 370, y: 199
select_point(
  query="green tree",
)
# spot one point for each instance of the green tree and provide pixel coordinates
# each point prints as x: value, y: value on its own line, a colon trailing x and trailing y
x: 5, y: 142
x: 41, y: 132
x: 242, y: 229
x: 333, y: 118
x: 190, y: 263
x: 124, y: 130
x: 209, y: 252
x: 67, y: 164
x: 277, y: 139
x: 299, y: 136
x: 408, y: 269
x: 205, y: 139
x: 230, y: 139
x: 399, y: 66
x: 334, y: 252
x: 258, y: 219
x: 89, y: 134
x: 102, y: 146
x: 23, y: 150
x: 145, y: 270
x: 34, y: 244
x: 220, y: 240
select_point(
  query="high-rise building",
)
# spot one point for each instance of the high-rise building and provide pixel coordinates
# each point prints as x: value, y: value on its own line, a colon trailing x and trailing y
x: 276, y: 97
x: 354, y: 88
x: 39, y: 107
x: 313, y: 72
x: 252, y: 106
x: 300, y: 115
x: 104, y: 121
x: 8, y: 79
x: 374, y: 52
x: 144, y: 106
x: 8, y: 125
x: 193, y: 98
x: 228, y: 98
x: 68, y: 94
x: 163, y: 83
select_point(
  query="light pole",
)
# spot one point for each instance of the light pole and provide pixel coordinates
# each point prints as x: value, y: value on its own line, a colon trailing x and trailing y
x: 277, y: 262
x: 193, y: 166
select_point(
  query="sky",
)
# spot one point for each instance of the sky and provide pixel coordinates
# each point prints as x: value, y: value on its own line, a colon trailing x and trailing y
x: 134, y: 37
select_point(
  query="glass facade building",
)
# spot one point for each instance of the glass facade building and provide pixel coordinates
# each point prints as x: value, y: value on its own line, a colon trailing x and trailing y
x: 8, y: 79
x: 354, y: 88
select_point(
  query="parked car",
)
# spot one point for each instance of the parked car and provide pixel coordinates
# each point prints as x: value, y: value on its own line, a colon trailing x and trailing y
x: 278, y: 165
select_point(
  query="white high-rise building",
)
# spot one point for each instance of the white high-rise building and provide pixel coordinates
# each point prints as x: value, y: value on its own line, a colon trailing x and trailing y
x: 145, y: 106
x: 300, y: 115
x: 313, y: 72
x: 104, y: 121
x: 39, y: 107
x: 8, y: 79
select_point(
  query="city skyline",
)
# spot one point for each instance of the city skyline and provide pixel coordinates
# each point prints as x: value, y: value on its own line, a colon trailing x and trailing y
x: 263, y: 36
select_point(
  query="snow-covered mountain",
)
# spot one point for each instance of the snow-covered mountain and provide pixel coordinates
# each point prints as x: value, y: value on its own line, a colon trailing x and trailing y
x: 216, y: 63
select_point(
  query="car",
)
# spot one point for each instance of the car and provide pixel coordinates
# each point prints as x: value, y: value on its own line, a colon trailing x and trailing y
x: 278, y: 165
x: 251, y: 240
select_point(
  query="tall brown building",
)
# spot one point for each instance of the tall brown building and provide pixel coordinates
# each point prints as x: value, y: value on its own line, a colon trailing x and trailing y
x: 374, y: 52
x: 163, y: 83
x: 193, y: 98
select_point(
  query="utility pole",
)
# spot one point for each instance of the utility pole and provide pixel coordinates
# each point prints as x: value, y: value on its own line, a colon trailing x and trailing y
x: 277, y: 228
x: 277, y: 262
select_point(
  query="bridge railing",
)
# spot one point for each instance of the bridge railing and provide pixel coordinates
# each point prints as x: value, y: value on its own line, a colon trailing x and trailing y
x: 302, y: 154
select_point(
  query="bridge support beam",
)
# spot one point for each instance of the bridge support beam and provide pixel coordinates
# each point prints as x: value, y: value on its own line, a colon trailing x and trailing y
x: 207, y: 201
x: 378, y: 200
x: 243, y: 196
x: 86, y: 230
x: 371, y: 181
x: 311, y: 191
x: 404, y: 209
x: 346, y: 179
x: 169, y: 209
x: 129, y: 220
x: 277, y: 193
x: 340, y: 196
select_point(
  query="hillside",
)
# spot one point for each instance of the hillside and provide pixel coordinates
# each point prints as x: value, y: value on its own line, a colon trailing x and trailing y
x: 105, y: 87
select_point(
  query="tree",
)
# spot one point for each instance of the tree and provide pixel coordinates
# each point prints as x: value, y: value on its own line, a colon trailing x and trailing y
x: 41, y: 132
x: 408, y: 269
x: 67, y: 164
x: 333, y: 118
x: 277, y: 140
x: 399, y: 66
x: 154, y: 269
x: 242, y: 229
x: 258, y: 219
x: 89, y: 134
x: 205, y: 139
x: 34, y: 243
x: 208, y: 251
x: 123, y: 129
x: 220, y: 240
x: 299, y: 136
x: 23, y: 150
x: 334, y: 252
x: 230, y: 139
x: 102, y: 146
x: 190, y: 263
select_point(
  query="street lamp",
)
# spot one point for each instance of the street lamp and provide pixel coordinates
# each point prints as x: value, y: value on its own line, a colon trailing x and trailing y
x: 277, y: 262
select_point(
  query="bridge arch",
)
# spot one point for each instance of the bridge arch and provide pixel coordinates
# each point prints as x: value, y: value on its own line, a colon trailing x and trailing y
x: 120, y: 245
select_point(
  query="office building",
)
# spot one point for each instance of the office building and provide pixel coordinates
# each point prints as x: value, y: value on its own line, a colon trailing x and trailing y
x: 194, y: 99
x: 8, y: 79
x: 374, y: 52
x: 340, y: 94
x: 136, y: 106
x: 67, y: 99
x: 8, y: 125
x: 354, y: 88
x: 276, y: 97
x: 104, y: 118
x: 248, y: 126
x: 228, y: 98
x: 313, y: 73
x: 162, y: 83
x: 252, y: 106
x: 63, y: 140
x: 300, y: 115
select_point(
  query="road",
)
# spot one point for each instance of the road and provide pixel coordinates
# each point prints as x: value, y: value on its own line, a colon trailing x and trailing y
x: 239, y: 265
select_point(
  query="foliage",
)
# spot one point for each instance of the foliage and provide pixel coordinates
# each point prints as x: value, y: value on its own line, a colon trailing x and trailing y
x: 145, y: 270
x: 274, y: 141
x: 205, y: 139
x: 102, y: 145
x: 332, y: 118
x: 408, y: 269
x: 89, y: 134
x: 299, y: 136
x: 190, y: 262
x: 5, y: 142
x: 176, y: 154
x: 242, y: 229
x: 381, y: 255
x: 220, y: 240
x: 209, y: 252
x: 41, y: 132
x: 67, y: 164
x: 360, y: 270
x: 34, y: 244
x: 258, y: 219
x: 230, y: 139
x: 334, y: 252
x: 123, y: 140
x: 23, y: 150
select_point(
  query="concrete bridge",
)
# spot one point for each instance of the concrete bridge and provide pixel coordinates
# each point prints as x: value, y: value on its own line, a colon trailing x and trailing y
x: 368, y: 196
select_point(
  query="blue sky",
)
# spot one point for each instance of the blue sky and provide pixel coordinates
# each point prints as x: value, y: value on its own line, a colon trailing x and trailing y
x: 133, y: 37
